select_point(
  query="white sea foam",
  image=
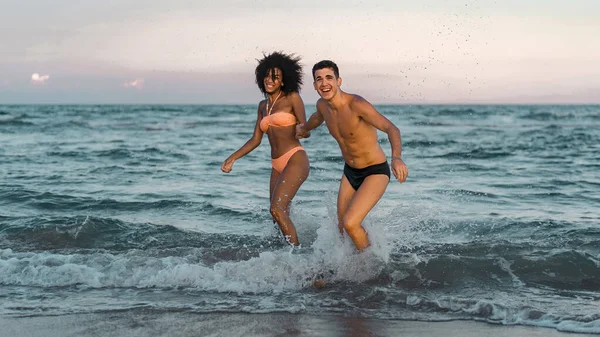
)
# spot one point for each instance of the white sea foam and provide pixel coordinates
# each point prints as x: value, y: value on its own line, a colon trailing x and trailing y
x: 285, y: 269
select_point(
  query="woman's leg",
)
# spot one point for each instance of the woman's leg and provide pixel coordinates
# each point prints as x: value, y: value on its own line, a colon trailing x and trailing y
x: 294, y: 174
x: 273, y: 182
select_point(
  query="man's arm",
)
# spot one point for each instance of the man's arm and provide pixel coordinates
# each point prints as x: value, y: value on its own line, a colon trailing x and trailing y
x: 303, y: 130
x: 370, y: 115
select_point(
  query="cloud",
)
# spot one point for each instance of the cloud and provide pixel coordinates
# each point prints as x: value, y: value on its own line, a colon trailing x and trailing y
x: 39, y: 79
x: 138, y: 83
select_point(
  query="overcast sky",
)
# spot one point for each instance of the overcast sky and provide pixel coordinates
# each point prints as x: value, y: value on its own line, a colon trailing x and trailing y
x: 396, y: 51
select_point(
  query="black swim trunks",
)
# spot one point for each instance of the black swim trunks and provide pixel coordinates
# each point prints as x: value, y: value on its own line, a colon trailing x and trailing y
x: 357, y: 176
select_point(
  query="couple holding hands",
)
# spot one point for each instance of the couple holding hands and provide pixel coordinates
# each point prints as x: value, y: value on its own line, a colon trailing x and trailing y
x: 351, y: 120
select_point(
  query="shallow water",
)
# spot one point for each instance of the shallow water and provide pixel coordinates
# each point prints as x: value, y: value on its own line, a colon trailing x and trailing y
x: 108, y: 208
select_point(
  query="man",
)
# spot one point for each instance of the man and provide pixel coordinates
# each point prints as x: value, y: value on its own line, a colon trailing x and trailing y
x: 353, y: 122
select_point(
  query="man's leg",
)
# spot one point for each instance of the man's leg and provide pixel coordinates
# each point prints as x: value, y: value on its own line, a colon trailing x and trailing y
x: 345, y: 194
x: 360, y: 205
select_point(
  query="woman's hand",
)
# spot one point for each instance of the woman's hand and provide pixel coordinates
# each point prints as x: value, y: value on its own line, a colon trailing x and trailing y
x: 227, y: 165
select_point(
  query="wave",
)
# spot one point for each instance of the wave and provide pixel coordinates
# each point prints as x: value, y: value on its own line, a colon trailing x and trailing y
x: 464, y: 280
x: 148, y: 154
x: 551, y: 114
x: 464, y: 192
x: 227, y: 110
x: 452, y: 110
x: 496, y: 312
x: 499, y: 264
x: 408, y: 287
x: 66, y: 154
x: 159, y: 108
x: 427, y: 144
x: 541, y: 116
x: 457, y: 111
x: 15, y: 121
x: 480, y: 153
x: 48, y: 201
x: 86, y: 232
x: 488, y: 261
x: 136, y: 269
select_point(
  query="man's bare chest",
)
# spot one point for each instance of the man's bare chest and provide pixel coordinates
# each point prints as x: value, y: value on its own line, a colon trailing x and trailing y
x: 342, y: 124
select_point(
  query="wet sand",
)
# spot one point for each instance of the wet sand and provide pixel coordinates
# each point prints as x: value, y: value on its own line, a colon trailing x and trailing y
x: 172, y: 324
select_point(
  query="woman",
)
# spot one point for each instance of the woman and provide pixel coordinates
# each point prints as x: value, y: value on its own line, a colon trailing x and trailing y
x: 279, y: 77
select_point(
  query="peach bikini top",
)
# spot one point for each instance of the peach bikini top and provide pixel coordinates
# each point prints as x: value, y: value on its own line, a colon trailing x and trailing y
x: 276, y: 119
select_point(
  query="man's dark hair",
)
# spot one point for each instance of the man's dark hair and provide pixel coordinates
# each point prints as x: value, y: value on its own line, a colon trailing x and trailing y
x: 290, y: 68
x: 326, y: 64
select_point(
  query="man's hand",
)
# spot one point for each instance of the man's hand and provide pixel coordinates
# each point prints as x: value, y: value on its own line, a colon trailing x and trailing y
x: 300, y: 132
x: 399, y: 169
x: 227, y: 165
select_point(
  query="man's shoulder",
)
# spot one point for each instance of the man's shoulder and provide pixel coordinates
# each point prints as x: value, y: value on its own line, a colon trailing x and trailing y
x: 321, y: 102
x: 359, y: 105
x: 357, y: 99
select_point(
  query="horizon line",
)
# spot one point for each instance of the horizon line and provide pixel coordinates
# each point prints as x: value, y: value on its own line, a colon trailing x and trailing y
x: 375, y: 104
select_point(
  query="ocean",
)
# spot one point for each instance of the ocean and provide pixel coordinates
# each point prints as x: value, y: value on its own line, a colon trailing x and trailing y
x: 117, y: 208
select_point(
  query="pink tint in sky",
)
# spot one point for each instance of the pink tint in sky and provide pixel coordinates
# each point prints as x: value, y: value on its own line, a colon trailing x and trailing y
x: 390, y: 52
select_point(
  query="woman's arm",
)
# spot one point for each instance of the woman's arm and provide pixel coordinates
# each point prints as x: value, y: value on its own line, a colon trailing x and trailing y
x: 250, y: 145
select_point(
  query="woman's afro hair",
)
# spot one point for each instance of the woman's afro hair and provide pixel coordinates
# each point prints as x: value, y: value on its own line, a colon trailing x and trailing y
x: 289, y: 64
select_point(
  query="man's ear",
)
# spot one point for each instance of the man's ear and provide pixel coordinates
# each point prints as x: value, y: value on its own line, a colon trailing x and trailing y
x: 315, y: 85
x: 339, y: 81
